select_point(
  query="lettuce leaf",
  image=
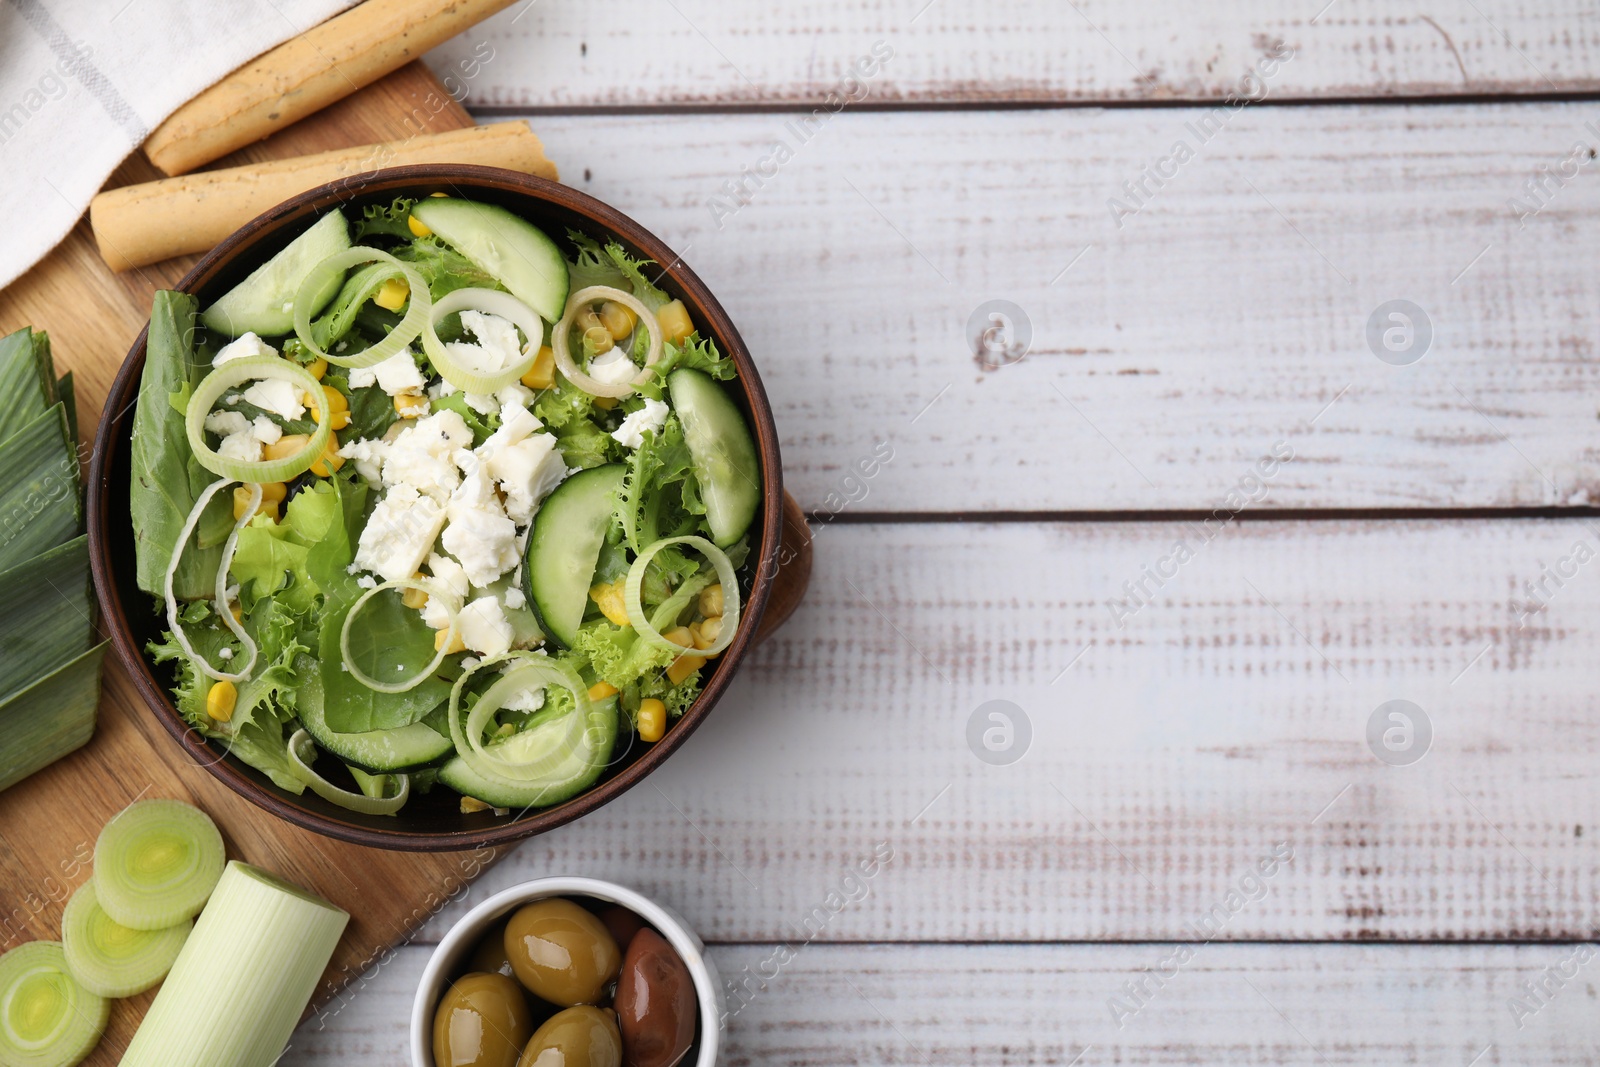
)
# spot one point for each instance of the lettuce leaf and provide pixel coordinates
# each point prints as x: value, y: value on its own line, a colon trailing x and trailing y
x: 391, y: 221
x: 580, y: 433
x: 444, y: 269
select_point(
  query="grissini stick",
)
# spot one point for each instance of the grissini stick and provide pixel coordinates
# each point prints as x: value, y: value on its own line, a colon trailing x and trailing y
x: 140, y: 224
x: 304, y: 75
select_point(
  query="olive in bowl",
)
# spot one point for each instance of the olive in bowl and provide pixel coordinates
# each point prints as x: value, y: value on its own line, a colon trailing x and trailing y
x: 607, y: 978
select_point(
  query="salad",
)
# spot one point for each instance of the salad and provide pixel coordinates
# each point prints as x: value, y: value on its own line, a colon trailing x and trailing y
x: 430, y: 499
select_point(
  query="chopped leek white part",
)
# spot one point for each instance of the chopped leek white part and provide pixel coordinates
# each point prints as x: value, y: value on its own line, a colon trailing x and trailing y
x: 725, y: 574
x: 558, y: 340
x: 508, y: 762
x: 434, y: 591
x: 419, y: 306
x: 109, y: 959
x: 479, y: 379
x: 46, y: 1018
x: 174, y: 623
x: 301, y: 754
x: 237, y: 372
x: 244, y: 977
x: 156, y: 862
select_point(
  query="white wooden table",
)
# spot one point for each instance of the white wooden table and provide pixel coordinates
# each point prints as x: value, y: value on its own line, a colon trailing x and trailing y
x: 1427, y: 532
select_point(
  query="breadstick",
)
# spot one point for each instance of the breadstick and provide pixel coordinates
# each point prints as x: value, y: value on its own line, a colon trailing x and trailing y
x: 140, y: 224
x: 304, y: 75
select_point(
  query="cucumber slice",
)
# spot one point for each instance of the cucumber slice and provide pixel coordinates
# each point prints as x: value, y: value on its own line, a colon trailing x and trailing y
x: 156, y: 863
x: 383, y: 751
x: 519, y: 255
x: 107, y: 958
x: 577, y: 772
x: 263, y: 303
x: 565, y: 546
x: 724, y: 453
x: 46, y: 1018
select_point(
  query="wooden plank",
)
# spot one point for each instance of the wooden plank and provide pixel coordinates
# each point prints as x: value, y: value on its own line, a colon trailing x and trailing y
x: 639, y: 53
x: 1228, y: 314
x: 1289, y: 1005
x: 1169, y: 755
x: 48, y: 823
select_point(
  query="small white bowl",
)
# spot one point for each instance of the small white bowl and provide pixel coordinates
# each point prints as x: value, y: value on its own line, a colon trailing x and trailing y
x: 463, y: 937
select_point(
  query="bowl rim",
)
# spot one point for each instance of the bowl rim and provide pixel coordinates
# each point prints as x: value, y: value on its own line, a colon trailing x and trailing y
x: 114, y: 430
x: 671, y: 925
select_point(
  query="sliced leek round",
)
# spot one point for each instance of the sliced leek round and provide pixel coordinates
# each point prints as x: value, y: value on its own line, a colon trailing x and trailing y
x: 47, y: 1019
x: 156, y: 863
x: 109, y: 959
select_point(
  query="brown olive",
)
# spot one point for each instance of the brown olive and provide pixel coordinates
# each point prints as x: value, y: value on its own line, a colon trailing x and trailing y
x: 561, y: 952
x: 577, y: 1037
x: 490, y: 955
x: 622, y: 923
x: 482, y: 1021
x: 655, y: 1003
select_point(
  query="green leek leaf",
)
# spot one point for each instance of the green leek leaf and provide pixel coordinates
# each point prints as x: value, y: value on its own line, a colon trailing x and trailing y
x: 39, y: 503
x: 50, y: 718
x: 47, y: 619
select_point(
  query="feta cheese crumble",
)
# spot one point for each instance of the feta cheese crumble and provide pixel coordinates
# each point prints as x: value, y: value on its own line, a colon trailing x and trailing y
x: 400, y: 533
x: 241, y: 348
x: 398, y: 375
x: 484, y: 628
x: 613, y: 367
x: 279, y: 397
x: 651, y: 417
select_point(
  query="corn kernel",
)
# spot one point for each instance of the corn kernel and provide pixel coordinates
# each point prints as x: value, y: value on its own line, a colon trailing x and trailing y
x: 707, y: 631
x: 711, y: 600
x: 588, y: 319
x: 336, y: 404
x: 442, y: 195
x: 680, y: 636
x: 605, y: 403
x: 330, y: 460
x: 542, y: 375
x: 618, y: 319
x: 601, y: 690
x: 392, y: 294
x: 455, y: 643
x: 237, y: 612
x: 274, y: 491
x: 241, y: 501
x: 414, y: 598
x: 472, y: 805
x: 410, y: 406
x: 317, y: 368
x: 652, y: 720
x: 682, y: 667
x: 609, y: 596
x: 597, y: 339
x: 674, y: 320
x: 285, y: 446
x: 220, y: 701
x: 417, y: 228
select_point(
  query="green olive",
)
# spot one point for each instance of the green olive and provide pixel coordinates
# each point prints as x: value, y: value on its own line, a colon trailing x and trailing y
x: 482, y: 1021
x: 577, y: 1037
x: 490, y: 955
x: 561, y: 952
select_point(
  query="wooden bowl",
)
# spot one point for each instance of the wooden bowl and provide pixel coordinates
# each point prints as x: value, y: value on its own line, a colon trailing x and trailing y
x: 433, y: 822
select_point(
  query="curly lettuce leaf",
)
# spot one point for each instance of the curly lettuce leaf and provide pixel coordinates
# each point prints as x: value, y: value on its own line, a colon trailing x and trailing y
x: 443, y: 268
x: 591, y: 265
x: 580, y: 433
x: 393, y: 220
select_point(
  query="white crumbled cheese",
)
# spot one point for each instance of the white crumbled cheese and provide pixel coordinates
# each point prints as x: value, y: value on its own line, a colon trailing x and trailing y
x: 265, y: 430
x: 494, y: 346
x: 398, y: 375
x: 526, y: 472
x: 446, y: 572
x: 613, y: 367
x: 482, y: 403
x: 241, y: 347
x: 367, y: 581
x: 484, y: 628
x: 516, y: 395
x: 525, y: 699
x: 224, y: 653
x: 242, y: 446
x: 227, y: 423
x: 421, y: 456
x: 368, y: 458
x: 479, y: 534
x: 279, y: 397
x: 651, y: 417
x: 440, y: 388
x: 400, y: 533
x: 514, y: 599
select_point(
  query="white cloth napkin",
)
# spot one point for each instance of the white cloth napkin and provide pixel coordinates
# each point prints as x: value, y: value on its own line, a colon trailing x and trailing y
x: 82, y: 82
